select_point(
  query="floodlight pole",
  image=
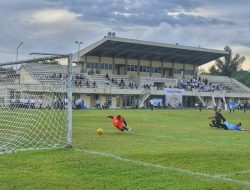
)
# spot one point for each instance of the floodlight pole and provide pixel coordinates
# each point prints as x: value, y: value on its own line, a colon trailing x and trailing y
x: 79, y: 44
x: 17, y: 50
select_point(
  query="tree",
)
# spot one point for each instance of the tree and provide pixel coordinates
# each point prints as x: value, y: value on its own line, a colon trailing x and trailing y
x: 227, y: 66
x: 243, y: 77
x: 201, y: 72
x: 213, y: 70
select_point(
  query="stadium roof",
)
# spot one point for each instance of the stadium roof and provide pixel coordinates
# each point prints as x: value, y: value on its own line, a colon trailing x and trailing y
x: 145, y: 50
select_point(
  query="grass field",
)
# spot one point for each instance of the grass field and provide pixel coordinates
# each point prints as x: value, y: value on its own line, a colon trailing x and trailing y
x: 169, y: 149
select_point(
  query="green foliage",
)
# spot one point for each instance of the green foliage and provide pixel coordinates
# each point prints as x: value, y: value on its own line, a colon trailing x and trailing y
x: 243, y: 77
x: 202, y: 72
x: 227, y: 66
x: 168, y: 138
x: 213, y: 70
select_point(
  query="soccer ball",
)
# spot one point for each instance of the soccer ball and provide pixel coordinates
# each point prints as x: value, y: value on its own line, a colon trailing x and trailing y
x: 99, y: 131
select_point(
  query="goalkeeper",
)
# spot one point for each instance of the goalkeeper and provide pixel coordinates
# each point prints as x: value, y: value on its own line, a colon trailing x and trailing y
x: 119, y: 122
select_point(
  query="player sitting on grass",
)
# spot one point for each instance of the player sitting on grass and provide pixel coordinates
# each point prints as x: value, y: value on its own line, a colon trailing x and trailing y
x: 119, y: 122
x: 216, y: 119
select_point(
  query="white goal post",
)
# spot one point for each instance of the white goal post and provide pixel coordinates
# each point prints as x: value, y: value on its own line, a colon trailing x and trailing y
x: 36, y: 104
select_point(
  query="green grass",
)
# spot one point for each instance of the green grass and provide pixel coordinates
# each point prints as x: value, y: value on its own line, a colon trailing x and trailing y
x: 170, y: 149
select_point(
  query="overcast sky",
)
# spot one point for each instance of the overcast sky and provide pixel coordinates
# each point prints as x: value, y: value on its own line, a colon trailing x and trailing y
x: 54, y: 25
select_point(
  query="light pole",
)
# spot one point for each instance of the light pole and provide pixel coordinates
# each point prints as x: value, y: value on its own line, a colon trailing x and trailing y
x: 79, y: 44
x: 17, y: 50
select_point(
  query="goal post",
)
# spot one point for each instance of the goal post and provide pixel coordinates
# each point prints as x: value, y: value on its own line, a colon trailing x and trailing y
x: 36, y: 104
x: 69, y: 94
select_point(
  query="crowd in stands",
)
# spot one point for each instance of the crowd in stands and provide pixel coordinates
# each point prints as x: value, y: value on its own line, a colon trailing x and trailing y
x: 203, y: 85
x: 9, y: 79
x: 147, y: 86
x: 58, y: 76
x: 92, y: 72
x: 80, y: 81
x: 120, y: 83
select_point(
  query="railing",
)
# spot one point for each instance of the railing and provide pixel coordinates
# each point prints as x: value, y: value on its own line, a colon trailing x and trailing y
x: 142, y: 98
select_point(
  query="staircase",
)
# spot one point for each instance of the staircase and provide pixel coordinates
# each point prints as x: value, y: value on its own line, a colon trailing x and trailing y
x: 143, y: 97
x: 225, y: 103
x: 200, y: 98
x: 219, y: 104
x: 213, y: 99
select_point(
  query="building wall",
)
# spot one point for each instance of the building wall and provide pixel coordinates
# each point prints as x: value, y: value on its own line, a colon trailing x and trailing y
x: 167, y: 64
x: 133, y: 62
x: 157, y: 64
x: 94, y: 59
x: 120, y: 61
x: 142, y: 67
x: 90, y: 100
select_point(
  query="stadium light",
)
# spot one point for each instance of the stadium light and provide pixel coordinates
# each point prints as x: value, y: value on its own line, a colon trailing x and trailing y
x: 111, y: 34
x: 17, y: 50
x: 79, y: 44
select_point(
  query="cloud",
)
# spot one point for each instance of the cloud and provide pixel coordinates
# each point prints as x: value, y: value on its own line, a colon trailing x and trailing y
x: 144, y: 13
x: 4, y: 50
x: 54, y: 25
x: 54, y: 16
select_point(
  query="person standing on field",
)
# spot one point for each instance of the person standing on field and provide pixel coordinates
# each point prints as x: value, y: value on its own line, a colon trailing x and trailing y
x: 200, y: 106
x: 245, y: 106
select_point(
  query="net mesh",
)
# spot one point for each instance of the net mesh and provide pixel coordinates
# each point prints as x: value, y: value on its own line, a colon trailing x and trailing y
x: 33, y: 105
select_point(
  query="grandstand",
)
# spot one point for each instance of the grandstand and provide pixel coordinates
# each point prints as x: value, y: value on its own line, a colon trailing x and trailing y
x: 154, y: 66
x: 127, y: 73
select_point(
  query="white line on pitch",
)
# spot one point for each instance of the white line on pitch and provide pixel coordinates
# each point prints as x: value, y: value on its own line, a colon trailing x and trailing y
x: 246, y: 183
x: 233, y: 173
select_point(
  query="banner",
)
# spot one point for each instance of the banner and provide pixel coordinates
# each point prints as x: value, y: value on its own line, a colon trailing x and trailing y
x: 173, y: 97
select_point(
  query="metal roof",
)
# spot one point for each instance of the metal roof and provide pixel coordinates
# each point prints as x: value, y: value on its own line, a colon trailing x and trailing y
x: 145, y: 50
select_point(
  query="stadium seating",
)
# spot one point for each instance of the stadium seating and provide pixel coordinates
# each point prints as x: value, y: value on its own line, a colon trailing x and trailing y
x: 204, y: 85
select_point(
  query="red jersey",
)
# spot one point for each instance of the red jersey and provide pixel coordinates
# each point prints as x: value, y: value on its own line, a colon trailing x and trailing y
x: 118, y: 124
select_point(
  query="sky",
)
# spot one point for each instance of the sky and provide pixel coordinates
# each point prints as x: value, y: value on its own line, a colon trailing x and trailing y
x: 54, y: 25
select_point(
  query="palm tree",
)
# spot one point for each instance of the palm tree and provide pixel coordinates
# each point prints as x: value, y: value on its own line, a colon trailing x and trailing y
x: 229, y: 65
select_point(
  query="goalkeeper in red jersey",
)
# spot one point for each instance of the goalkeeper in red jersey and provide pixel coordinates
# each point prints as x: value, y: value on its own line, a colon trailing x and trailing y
x: 119, y: 122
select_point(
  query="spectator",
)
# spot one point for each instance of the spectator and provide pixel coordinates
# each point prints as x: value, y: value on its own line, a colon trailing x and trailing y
x: 200, y: 106
x: 94, y: 84
x: 98, y: 104
x: 104, y: 106
x: 245, y: 106
x: 107, y: 76
x: 87, y: 83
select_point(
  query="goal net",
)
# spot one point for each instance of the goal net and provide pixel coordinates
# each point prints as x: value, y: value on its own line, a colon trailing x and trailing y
x: 35, y: 104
